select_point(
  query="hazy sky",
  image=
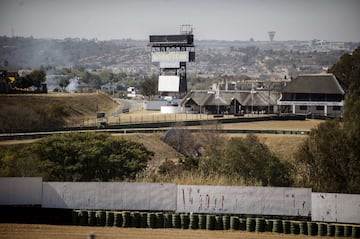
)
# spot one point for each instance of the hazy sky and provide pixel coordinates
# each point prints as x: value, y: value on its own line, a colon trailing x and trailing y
x: 334, y: 20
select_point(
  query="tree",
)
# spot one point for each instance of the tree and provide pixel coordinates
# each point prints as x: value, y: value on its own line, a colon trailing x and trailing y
x: 15, y: 161
x: 89, y: 157
x: 23, y: 82
x: 329, y: 160
x: 64, y: 82
x: 149, y: 87
x: 322, y: 160
x: 252, y: 160
x: 37, y: 77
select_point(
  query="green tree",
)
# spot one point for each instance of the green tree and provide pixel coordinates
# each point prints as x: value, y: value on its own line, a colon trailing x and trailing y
x: 322, y: 160
x: 252, y: 160
x: 149, y: 87
x: 64, y: 82
x: 15, y: 161
x: 37, y: 77
x: 89, y: 157
x: 23, y: 82
x: 329, y: 160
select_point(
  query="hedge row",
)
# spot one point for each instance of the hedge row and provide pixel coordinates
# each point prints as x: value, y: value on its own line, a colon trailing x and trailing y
x: 211, y: 222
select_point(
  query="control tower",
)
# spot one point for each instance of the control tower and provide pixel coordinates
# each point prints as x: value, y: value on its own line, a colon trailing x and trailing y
x: 173, y: 52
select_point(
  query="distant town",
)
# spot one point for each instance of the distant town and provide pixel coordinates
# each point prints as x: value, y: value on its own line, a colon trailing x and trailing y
x: 214, y: 59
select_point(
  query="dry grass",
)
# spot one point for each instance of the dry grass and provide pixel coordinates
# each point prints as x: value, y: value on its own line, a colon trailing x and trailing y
x: 79, y: 107
x: 35, y: 231
x: 192, y: 178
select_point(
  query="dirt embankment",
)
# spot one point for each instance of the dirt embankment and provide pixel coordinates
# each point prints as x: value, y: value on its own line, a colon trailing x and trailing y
x: 17, y: 109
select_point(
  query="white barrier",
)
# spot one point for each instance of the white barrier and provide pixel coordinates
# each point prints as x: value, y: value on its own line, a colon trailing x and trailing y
x: 335, y: 207
x: 115, y: 196
x: 20, y: 191
x: 244, y: 200
x: 327, y: 207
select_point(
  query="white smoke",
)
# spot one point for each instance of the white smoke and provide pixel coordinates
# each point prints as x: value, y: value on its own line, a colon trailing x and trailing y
x: 73, y: 85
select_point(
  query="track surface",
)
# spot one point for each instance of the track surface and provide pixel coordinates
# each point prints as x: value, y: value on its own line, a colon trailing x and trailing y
x: 36, y: 231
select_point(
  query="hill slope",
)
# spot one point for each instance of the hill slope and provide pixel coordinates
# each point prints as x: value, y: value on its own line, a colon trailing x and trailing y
x: 50, y: 110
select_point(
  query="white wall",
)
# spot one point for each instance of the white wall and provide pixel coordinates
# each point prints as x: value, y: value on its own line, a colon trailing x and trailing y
x: 327, y: 207
x: 20, y: 191
x: 170, y: 110
x: 244, y: 200
x: 116, y: 196
x: 335, y: 207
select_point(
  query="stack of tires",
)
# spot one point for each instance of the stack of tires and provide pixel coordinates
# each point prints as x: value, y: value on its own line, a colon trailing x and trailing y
x: 210, y: 222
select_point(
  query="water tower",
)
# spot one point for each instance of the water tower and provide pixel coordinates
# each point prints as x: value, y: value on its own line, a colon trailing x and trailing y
x: 271, y: 35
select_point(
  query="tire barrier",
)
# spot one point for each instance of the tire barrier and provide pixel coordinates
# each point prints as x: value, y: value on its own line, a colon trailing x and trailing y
x: 194, y: 221
x: 250, y: 224
x: 339, y: 230
x: 159, y: 221
x: 303, y: 228
x: 286, y: 226
x: 234, y: 223
x: 167, y: 220
x: 226, y: 222
x: 277, y: 226
x: 135, y: 219
x: 100, y: 218
x: 347, y: 230
x: 202, y: 221
x: 143, y: 220
x: 330, y: 230
x: 294, y: 228
x: 260, y: 225
x: 242, y: 224
x: 322, y: 229
x: 118, y: 219
x: 269, y: 225
x: 151, y: 220
x: 218, y: 223
x: 109, y: 219
x: 176, y: 221
x: 91, y: 218
x: 185, y: 221
x: 211, y: 222
x: 83, y: 218
x: 126, y: 219
x: 312, y: 228
x: 355, y: 232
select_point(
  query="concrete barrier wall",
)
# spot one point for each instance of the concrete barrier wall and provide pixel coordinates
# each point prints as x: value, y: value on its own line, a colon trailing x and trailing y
x: 20, y: 191
x: 335, y: 207
x: 244, y: 200
x: 327, y: 207
x: 115, y: 196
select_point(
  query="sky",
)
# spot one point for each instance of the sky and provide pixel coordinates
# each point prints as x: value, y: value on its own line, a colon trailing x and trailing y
x: 331, y: 20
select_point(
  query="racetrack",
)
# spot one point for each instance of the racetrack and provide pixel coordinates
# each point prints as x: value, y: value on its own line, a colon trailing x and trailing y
x: 39, y: 231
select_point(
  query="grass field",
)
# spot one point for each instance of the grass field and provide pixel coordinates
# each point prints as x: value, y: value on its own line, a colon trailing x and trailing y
x: 36, y: 231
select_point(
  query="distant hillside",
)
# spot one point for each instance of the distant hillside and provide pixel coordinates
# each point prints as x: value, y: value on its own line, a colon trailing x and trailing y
x: 133, y: 56
x: 20, y: 52
x: 31, y: 112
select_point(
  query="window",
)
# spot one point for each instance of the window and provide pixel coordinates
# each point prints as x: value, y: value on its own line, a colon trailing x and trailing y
x: 336, y: 108
x: 320, y: 107
x: 303, y: 107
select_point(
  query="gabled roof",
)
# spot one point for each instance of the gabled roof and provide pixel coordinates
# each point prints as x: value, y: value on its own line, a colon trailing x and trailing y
x: 314, y: 84
x: 245, y: 98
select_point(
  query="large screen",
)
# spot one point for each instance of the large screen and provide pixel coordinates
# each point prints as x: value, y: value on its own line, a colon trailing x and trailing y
x: 169, y: 83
